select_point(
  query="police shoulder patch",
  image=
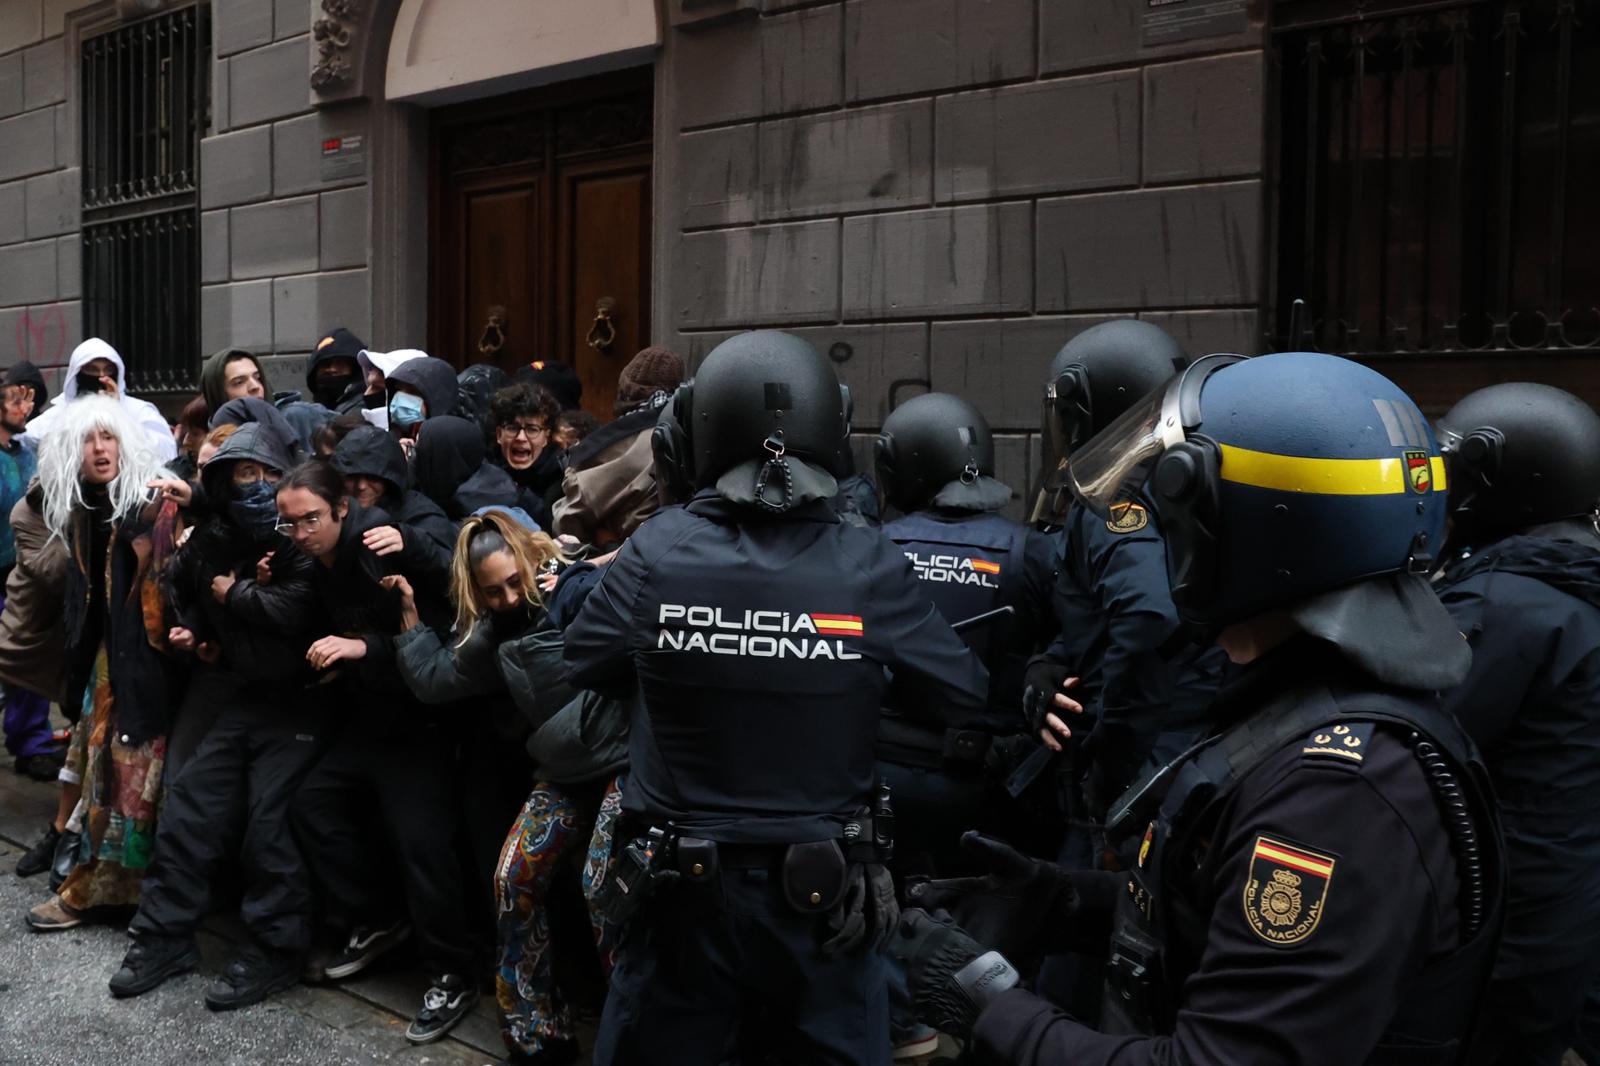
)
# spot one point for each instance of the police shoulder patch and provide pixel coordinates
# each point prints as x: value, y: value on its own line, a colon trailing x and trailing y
x: 1286, y: 891
x: 1127, y: 517
x: 1344, y: 742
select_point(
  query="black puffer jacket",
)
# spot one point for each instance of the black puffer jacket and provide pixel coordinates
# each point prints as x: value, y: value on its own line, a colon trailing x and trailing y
x: 262, y: 630
x: 475, y: 389
x: 434, y: 378
x: 451, y: 470
x: 429, y: 535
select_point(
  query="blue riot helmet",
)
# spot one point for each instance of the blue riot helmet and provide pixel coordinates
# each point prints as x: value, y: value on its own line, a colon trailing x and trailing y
x: 1290, y: 482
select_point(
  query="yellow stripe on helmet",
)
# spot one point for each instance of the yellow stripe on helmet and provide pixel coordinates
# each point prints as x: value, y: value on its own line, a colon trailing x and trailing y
x: 1327, y: 477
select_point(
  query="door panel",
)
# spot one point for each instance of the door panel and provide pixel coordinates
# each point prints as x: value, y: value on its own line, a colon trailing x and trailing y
x: 541, y: 205
x: 605, y: 209
x: 501, y: 236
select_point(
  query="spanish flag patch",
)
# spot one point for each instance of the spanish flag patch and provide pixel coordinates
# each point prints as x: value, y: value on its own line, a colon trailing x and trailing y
x: 843, y: 625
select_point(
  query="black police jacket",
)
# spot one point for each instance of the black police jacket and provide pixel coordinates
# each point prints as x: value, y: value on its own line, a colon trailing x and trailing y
x: 1139, y: 679
x: 970, y: 563
x: 762, y: 648
x: 1530, y: 605
x: 1307, y: 911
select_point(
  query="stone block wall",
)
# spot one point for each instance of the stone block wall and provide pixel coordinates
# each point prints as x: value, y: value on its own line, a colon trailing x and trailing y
x: 940, y: 193
x: 283, y: 253
x: 40, y: 317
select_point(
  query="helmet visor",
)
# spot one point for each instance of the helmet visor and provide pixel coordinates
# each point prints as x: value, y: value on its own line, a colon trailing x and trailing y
x: 1119, y: 458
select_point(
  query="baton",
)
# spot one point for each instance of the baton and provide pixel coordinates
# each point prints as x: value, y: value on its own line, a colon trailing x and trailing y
x: 983, y: 619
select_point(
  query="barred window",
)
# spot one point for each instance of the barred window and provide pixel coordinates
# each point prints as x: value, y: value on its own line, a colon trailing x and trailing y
x: 1433, y: 176
x: 143, y: 92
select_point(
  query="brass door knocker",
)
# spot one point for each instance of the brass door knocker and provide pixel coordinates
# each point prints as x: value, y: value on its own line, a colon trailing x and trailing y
x: 603, y: 334
x: 494, y: 331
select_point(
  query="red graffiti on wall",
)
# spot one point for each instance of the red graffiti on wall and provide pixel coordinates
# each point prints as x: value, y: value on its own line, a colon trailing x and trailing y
x: 41, y: 335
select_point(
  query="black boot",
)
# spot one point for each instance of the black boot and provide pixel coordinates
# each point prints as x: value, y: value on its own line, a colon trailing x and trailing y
x: 65, y: 858
x: 150, y: 961
x: 252, y: 976
x: 42, y: 767
x: 37, y: 859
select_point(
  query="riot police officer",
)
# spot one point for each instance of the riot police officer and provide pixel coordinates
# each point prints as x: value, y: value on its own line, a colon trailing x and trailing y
x: 935, y: 463
x: 762, y: 635
x: 1523, y: 584
x: 1318, y: 881
x: 1140, y: 679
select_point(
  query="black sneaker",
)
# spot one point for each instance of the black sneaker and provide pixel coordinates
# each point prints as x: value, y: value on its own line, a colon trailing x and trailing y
x: 37, y: 859
x: 252, y: 977
x: 443, y: 1005
x: 150, y: 961
x: 45, y: 767
x: 365, y: 947
x: 65, y: 859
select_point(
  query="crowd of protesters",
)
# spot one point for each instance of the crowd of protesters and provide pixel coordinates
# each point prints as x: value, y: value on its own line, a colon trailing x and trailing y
x: 309, y: 647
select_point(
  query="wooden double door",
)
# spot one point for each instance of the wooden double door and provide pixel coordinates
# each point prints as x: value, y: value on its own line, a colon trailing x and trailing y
x: 540, y: 230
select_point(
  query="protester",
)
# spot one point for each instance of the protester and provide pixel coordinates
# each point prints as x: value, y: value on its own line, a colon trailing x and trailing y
x: 190, y: 431
x: 333, y: 372
x: 559, y: 378
x: 376, y: 368
x: 421, y: 535
x: 95, y: 367
x: 522, y: 416
x: 231, y: 374
x: 390, y: 759
x: 27, y: 715
x: 476, y: 387
x: 572, y: 427
x: 451, y: 467
x: 612, y: 473
x: 242, y: 591
x: 94, y: 466
x: 419, y: 389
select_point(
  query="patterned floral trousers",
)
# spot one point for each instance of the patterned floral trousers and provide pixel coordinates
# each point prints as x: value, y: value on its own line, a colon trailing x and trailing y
x: 553, y: 824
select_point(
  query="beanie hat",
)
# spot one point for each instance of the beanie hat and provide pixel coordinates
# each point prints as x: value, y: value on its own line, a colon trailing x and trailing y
x: 558, y: 377
x: 653, y: 370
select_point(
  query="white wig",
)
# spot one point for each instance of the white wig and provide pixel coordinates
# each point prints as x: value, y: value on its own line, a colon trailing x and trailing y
x: 61, y: 461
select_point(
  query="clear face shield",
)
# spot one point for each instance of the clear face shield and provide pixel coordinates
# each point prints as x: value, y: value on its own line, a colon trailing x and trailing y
x: 1119, y: 458
x: 1064, y: 422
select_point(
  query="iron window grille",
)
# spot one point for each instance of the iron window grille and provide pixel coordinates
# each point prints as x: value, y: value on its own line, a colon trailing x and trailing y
x: 144, y: 92
x: 1432, y: 167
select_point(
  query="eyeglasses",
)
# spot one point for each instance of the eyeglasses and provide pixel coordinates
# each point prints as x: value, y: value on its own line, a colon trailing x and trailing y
x: 522, y: 429
x: 309, y: 523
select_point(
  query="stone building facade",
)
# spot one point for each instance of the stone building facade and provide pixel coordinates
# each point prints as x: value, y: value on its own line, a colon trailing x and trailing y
x: 937, y: 193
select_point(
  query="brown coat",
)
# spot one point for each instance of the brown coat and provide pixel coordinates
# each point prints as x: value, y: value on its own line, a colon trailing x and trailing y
x: 607, y: 497
x: 32, y: 638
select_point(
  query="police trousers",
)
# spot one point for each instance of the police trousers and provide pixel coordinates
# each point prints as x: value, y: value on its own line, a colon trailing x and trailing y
x: 728, y: 972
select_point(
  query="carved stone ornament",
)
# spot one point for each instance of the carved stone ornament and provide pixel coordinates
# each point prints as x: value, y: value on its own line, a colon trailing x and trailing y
x: 333, y: 33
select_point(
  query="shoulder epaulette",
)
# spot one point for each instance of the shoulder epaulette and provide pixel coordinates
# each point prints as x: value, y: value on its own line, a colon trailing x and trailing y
x: 1345, y: 742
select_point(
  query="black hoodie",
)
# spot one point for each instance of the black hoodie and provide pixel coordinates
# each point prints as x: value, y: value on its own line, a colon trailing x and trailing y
x: 339, y: 343
x: 1530, y: 606
x: 262, y: 630
x: 475, y: 389
x: 451, y: 469
x: 243, y: 410
x: 23, y: 372
x: 428, y: 534
x: 434, y: 378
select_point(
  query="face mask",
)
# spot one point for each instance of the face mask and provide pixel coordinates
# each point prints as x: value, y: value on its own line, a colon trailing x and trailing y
x: 330, y: 390
x: 405, y: 410
x: 254, y: 509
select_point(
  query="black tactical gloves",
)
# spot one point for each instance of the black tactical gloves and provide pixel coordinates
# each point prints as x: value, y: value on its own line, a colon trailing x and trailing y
x: 1041, y: 683
x: 869, y: 904
x: 951, y: 976
x: 1023, y: 906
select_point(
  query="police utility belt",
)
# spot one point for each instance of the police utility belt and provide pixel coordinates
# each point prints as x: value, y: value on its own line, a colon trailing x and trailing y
x: 813, y: 874
x: 904, y: 744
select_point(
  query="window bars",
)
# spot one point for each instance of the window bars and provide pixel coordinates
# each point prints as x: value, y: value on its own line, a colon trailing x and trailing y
x: 143, y: 91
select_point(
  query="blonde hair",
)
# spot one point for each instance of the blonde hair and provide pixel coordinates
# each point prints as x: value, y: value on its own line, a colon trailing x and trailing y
x: 500, y: 532
x: 61, y: 461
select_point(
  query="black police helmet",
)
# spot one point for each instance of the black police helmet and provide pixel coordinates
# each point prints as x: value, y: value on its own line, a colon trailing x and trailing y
x: 1519, y: 454
x: 928, y: 442
x: 1100, y: 373
x: 757, y: 395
